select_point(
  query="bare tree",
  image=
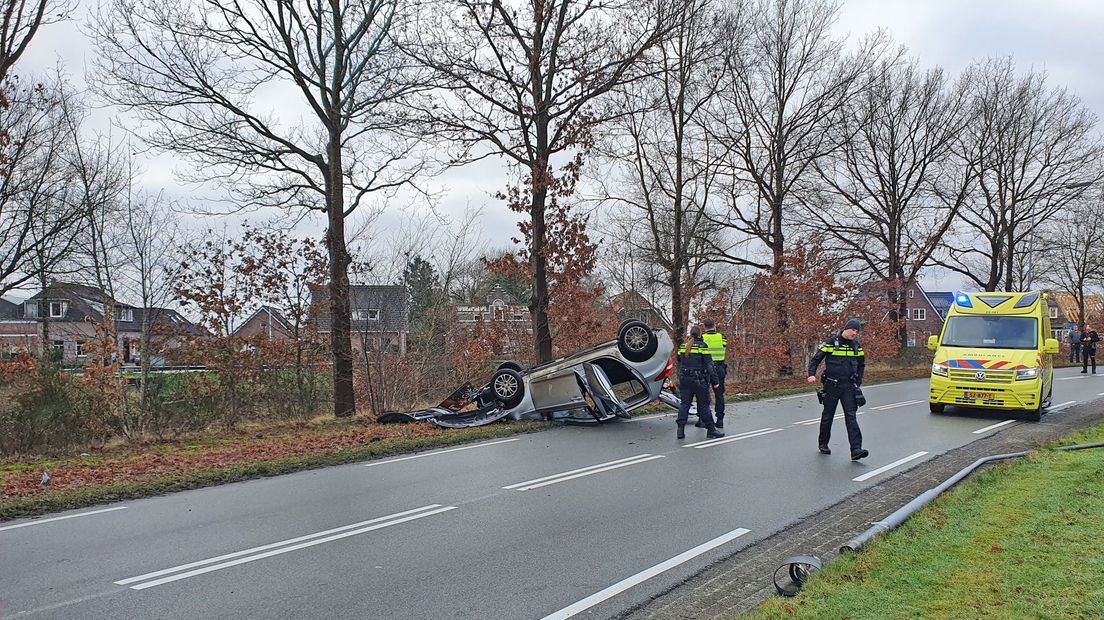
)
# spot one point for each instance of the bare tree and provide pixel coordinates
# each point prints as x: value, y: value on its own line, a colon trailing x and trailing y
x: 37, y: 214
x: 1032, y: 148
x: 892, y: 191
x: 1074, y: 260
x: 201, y: 73
x: 19, y: 22
x: 669, y: 161
x: 524, y: 81
x: 786, y: 83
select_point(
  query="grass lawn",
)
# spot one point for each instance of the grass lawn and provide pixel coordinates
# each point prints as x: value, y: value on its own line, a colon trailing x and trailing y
x: 1021, y: 540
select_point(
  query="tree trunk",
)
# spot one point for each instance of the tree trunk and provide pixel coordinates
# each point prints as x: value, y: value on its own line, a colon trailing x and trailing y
x: 340, y: 322
x: 538, y: 303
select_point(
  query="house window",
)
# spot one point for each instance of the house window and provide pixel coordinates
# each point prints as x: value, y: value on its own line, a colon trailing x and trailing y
x: 57, y: 309
x: 58, y: 346
x: 519, y: 316
x: 366, y: 315
x: 80, y: 348
x: 1054, y: 312
x: 124, y: 315
x: 912, y: 293
x: 919, y: 314
x: 911, y: 339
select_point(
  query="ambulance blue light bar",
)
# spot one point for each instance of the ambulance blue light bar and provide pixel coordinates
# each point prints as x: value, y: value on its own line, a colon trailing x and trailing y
x: 963, y: 300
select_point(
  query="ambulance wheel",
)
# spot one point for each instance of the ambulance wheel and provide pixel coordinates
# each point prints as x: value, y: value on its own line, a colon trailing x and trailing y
x: 508, y: 387
x: 1034, y: 415
x: 636, y: 341
x: 936, y: 408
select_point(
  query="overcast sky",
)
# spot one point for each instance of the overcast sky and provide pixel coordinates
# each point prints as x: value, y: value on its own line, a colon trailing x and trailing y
x: 1064, y: 37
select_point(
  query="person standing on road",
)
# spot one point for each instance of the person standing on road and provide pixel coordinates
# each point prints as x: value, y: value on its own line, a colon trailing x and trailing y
x: 844, y: 365
x: 1089, y: 338
x: 1074, y: 336
x: 718, y: 350
x: 696, y: 376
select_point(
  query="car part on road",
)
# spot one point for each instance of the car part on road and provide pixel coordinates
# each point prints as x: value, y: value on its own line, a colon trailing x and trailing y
x: 904, y: 512
x: 794, y: 572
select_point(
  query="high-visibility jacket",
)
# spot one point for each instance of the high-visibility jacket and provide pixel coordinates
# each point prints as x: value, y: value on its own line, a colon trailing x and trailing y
x: 717, y: 345
x: 696, y: 362
x: 843, y: 359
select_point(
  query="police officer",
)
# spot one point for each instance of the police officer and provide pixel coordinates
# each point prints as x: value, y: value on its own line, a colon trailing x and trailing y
x: 718, y: 346
x: 696, y: 376
x: 844, y: 365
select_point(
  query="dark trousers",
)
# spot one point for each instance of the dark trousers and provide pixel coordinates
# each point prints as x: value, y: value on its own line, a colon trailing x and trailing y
x: 1089, y: 354
x: 1075, y: 352
x: 841, y: 392
x: 718, y: 392
x: 691, y: 388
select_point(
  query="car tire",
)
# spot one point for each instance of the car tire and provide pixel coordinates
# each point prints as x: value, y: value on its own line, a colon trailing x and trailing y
x: 512, y: 365
x: 636, y: 341
x: 508, y: 387
x: 1036, y: 414
x: 936, y: 408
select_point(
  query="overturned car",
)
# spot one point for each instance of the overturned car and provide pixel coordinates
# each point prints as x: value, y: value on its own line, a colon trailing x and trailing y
x: 590, y: 387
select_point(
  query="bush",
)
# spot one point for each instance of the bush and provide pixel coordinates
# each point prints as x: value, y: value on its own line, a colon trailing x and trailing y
x: 48, y: 410
x: 174, y: 403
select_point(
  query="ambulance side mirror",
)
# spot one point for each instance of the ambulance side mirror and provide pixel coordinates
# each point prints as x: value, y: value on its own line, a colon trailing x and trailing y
x: 1050, y: 345
x: 933, y: 343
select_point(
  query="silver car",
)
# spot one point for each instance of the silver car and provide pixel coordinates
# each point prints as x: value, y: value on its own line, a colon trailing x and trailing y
x: 590, y: 387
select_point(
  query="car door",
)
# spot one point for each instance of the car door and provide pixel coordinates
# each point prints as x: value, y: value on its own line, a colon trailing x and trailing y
x: 600, y: 389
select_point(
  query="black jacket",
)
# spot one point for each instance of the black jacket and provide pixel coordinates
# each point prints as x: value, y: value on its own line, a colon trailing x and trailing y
x: 843, y: 360
x: 697, y: 361
x: 1089, y: 340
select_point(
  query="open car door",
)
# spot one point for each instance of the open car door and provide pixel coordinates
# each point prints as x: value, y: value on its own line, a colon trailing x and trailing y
x: 600, y: 390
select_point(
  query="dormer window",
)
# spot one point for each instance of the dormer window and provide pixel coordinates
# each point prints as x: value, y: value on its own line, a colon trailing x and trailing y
x: 124, y: 315
x: 57, y: 309
x: 366, y: 315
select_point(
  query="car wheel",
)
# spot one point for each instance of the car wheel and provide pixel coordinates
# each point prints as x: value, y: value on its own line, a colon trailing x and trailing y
x: 636, y: 341
x: 508, y: 387
x: 512, y: 365
x: 936, y: 408
x: 1036, y: 414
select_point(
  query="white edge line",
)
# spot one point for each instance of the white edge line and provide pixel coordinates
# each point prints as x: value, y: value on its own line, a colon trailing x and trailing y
x: 261, y: 556
x: 418, y: 456
x: 41, y: 521
x: 568, y: 473
x: 725, y: 440
x: 1068, y: 403
x: 885, y: 468
x: 992, y: 426
x: 878, y: 385
x: 269, y: 546
x: 643, y: 576
x: 1100, y: 394
x: 838, y: 416
x: 589, y: 473
x: 1069, y: 378
x: 895, y: 405
x: 709, y: 441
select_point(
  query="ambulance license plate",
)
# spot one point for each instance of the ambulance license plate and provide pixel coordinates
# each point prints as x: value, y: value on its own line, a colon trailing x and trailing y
x: 979, y: 395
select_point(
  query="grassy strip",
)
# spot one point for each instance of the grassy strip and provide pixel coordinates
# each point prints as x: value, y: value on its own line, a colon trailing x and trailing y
x: 179, y: 481
x: 1020, y: 540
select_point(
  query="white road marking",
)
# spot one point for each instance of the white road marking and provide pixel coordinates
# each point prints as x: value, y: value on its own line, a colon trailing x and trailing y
x: 801, y: 395
x: 878, y: 385
x: 895, y: 405
x: 41, y: 521
x: 579, y: 473
x: 1071, y: 378
x: 418, y: 456
x: 1060, y: 406
x: 643, y: 576
x: 386, y: 522
x: 897, y: 463
x: 724, y: 440
x: 709, y: 441
x: 838, y: 416
x: 1100, y: 394
x: 992, y: 426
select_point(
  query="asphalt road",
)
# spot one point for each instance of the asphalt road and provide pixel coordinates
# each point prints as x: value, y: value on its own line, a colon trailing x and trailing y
x: 576, y: 520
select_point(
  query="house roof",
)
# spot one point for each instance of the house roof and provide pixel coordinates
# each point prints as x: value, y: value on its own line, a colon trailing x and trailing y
x: 168, y: 320
x: 8, y: 310
x: 941, y: 301
x: 85, y: 302
x: 274, y: 315
x: 631, y: 302
x: 391, y: 300
x: 1067, y: 305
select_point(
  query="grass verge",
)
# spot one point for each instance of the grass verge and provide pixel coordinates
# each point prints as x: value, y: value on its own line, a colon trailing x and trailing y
x: 1020, y: 540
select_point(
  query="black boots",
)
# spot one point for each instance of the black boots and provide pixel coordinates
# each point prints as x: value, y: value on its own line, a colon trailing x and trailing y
x: 720, y: 422
x: 824, y: 449
x: 713, y: 433
x: 859, y: 454
x: 699, y: 424
x: 681, y: 432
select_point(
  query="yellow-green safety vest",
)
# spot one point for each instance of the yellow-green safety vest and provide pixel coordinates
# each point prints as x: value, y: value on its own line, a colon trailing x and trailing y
x: 717, y: 345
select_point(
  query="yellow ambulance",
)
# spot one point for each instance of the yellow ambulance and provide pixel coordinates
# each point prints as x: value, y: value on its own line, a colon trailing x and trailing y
x: 995, y: 352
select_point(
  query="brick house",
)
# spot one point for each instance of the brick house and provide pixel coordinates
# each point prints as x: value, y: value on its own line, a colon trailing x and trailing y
x: 632, y: 305
x: 70, y: 313
x: 1063, y: 312
x: 500, y: 306
x: 379, y: 314
x: 267, y: 322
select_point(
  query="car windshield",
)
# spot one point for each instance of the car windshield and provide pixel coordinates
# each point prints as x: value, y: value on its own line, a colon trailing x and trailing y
x: 991, y: 332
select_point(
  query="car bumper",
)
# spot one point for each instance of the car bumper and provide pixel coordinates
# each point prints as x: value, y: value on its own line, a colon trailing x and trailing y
x: 1015, y: 395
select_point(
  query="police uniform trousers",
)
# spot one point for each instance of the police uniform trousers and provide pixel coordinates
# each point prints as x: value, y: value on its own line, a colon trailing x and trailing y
x: 722, y: 371
x: 695, y: 386
x: 842, y: 391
